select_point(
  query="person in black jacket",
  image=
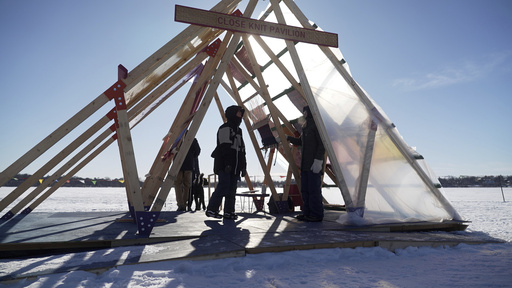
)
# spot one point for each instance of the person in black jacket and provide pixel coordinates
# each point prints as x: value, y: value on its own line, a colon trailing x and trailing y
x: 183, y: 181
x: 311, y: 169
x: 229, y: 163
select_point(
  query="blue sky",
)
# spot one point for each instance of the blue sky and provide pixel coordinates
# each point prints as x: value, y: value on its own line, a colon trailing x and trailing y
x: 441, y: 71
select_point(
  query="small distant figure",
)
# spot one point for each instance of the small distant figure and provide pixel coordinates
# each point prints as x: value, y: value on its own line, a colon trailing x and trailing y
x: 183, y: 181
x: 312, y: 164
x: 229, y: 164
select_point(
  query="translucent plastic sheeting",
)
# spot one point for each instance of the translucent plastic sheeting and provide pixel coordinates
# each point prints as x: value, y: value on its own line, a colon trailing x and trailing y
x: 395, y: 191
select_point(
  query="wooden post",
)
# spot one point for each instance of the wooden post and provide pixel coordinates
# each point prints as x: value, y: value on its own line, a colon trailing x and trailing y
x: 365, y: 169
x: 131, y: 179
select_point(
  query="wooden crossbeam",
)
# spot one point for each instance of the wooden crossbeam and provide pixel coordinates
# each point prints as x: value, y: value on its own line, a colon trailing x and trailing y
x: 68, y: 176
x: 55, y: 176
x: 51, y: 139
x: 18, y: 191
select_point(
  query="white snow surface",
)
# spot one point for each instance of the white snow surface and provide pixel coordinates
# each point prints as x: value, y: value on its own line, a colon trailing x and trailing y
x: 485, y: 265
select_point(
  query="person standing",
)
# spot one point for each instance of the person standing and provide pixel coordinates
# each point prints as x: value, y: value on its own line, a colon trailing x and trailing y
x: 229, y: 164
x: 312, y: 151
x: 183, y: 181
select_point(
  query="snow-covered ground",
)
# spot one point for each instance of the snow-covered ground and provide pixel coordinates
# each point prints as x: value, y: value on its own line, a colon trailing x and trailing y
x: 486, y: 265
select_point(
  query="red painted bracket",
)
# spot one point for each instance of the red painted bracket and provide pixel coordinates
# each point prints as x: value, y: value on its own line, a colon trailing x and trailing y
x: 122, y: 72
x: 115, y: 90
x: 237, y: 13
x: 112, y: 114
x: 113, y: 128
x: 120, y: 103
x: 213, y: 48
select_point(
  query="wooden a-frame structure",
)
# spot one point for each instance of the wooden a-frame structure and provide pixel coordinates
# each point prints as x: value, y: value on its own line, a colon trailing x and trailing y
x: 230, y: 56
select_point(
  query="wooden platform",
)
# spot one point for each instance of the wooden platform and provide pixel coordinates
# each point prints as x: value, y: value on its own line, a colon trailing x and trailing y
x: 191, y: 235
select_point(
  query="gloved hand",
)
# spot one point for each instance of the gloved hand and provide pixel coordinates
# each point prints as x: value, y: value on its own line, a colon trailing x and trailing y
x: 317, y: 166
x: 289, y: 138
x: 228, y: 169
x: 244, y: 172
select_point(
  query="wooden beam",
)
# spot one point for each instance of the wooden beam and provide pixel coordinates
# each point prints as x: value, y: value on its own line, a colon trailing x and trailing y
x: 133, y: 115
x: 68, y: 176
x: 180, y: 122
x: 124, y: 140
x: 55, y: 176
x: 18, y: 191
x: 365, y: 169
x: 208, y: 72
x: 221, y: 109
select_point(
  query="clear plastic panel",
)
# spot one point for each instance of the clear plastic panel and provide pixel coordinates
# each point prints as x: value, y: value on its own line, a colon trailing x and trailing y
x: 395, y: 192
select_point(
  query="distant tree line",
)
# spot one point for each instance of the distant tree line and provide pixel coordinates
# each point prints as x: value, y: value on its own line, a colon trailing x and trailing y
x: 72, y: 182
x: 448, y: 181
x: 476, y: 181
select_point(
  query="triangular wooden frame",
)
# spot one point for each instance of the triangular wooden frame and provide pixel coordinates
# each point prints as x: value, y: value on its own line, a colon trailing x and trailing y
x: 145, y: 88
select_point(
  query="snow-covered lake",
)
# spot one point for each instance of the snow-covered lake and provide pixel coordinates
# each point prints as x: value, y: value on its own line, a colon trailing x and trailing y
x: 486, y: 265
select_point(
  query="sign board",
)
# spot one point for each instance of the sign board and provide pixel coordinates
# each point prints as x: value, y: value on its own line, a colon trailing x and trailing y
x: 252, y: 26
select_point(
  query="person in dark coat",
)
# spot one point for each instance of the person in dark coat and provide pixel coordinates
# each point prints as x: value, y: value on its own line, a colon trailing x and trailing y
x: 229, y: 163
x: 183, y: 181
x: 312, y: 163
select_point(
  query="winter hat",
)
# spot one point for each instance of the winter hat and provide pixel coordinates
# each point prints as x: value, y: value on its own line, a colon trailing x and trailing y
x: 231, y: 114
